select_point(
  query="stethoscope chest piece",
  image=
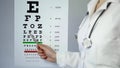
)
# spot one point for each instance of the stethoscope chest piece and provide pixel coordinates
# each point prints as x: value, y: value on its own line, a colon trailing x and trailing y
x: 87, y: 43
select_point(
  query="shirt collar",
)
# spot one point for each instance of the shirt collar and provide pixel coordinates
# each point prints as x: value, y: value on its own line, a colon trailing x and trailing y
x: 92, y: 5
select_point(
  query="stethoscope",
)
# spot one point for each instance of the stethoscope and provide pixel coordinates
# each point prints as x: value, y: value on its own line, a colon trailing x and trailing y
x: 87, y: 42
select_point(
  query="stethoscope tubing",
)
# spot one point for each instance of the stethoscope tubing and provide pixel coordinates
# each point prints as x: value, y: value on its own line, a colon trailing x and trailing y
x: 87, y: 42
x: 91, y: 31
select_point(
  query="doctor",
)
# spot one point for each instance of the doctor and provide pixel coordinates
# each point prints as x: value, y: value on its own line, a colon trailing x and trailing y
x: 98, y: 38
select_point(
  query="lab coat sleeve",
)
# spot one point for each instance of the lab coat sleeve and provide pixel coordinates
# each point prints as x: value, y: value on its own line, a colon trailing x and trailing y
x: 68, y: 59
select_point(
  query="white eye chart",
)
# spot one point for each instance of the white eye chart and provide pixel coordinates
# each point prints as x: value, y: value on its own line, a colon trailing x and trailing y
x: 47, y: 20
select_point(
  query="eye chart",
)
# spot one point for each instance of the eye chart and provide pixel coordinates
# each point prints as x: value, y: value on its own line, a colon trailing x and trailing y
x: 47, y: 20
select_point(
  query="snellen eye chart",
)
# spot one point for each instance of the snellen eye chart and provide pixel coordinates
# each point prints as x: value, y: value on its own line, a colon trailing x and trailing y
x: 47, y: 20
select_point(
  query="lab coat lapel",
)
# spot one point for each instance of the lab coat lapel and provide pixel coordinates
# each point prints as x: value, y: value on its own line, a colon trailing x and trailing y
x: 96, y: 15
x: 91, y: 6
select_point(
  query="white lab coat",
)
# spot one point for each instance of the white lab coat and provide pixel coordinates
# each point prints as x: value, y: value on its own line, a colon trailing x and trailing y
x: 105, y: 50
